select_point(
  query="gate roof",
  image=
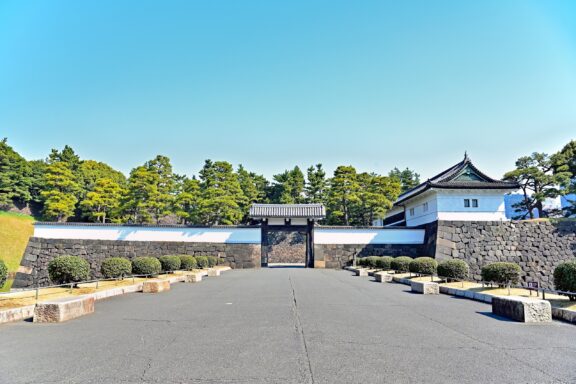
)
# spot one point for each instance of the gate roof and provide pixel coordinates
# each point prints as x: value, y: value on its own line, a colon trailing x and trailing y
x: 308, y: 211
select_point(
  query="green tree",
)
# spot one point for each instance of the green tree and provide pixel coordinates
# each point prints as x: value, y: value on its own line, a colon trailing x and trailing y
x: 91, y: 171
x: 539, y: 177
x: 343, y: 195
x: 161, y: 202
x: 141, y: 191
x: 253, y: 187
x: 103, y: 201
x: 289, y: 187
x: 59, y: 194
x: 187, y: 205
x: 376, y: 194
x: 565, y: 160
x: 407, y: 178
x: 315, y: 189
x: 221, y: 195
x: 15, y: 177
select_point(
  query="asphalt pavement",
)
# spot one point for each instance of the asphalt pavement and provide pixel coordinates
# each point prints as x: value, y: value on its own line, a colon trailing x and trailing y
x: 288, y: 325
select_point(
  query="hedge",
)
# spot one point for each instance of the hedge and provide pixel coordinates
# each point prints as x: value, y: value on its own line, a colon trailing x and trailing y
x: 3, y: 273
x: 188, y: 263
x: 371, y: 261
x: 384, y: 262
x: 401, y: 263
x: 212, y: 261
x: 361, y: 261
x: 170, y: 263
x: 453, y: 269
x: 146, y: 265
x: 423, y: 265
x: 565, y: 278
x: 114, y: 267
x: 502, y: 273
x: 68, y: 269
x: 202, y: 261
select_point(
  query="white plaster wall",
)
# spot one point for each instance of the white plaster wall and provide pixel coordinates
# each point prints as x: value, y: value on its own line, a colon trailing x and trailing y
x: 368, y: 236
x: 449, y: 205
x: 186, y: 235
x: 420, y: 215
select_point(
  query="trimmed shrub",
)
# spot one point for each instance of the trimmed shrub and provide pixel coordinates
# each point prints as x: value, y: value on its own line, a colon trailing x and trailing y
x: 146, y: 265
x: 68, y: 269
x: 565, y: 278
x: 170, y: 263
x: 384, y: 262
x: 114, y: 267
x: 502, y: 273
x: 361, y: 261
x: 372, y: 261
x: 3, y: 273
x: 212, y: 261
x: 401, y: 263
x: 453, y: 269
x: 423, y: 265
x: 202, y: 261
x: 188, y: 263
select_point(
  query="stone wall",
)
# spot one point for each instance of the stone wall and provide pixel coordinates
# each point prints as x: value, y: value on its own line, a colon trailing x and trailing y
x: 40, y: 251
x: 537, y: 246
x: 340, y: 255
x: 285, y: 247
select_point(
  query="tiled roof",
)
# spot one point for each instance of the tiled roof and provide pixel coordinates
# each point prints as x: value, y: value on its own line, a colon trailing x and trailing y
x: 312, y: 211
x: 463, y: 175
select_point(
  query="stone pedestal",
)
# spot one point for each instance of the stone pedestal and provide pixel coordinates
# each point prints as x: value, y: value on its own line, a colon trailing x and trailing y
x: 425, y: 287
x: 212, y: 272
x: 66, y: 308
x: 522, y: 309
x: 193, y: 278
x: 361, y: 272
x: 383, y: 277
x: 155, y: 286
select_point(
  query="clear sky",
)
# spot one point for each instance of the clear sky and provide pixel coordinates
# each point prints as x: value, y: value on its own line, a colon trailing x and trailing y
x: 271, y: 84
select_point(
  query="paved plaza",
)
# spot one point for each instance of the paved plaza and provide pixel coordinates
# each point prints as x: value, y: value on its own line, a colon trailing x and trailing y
x: 288, y: 325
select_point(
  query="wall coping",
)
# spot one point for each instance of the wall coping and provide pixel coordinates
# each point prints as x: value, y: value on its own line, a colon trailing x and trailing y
x: 82, y: 224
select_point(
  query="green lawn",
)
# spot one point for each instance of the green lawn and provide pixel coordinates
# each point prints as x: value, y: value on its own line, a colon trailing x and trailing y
x: 15, y: 230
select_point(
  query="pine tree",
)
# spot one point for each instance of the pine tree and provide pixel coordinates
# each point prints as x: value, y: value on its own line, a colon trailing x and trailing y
x: 407, y: 178
x: 60, y: 191
x: 15, y: 177
x: 343, y: 194
x: 103, y: 200
x: 315, y: 189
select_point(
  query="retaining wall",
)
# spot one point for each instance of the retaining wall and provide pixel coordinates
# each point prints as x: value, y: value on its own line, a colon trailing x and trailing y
x: 537, y: 246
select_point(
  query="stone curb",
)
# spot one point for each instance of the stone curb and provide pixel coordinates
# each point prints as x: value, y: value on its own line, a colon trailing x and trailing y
x: 27, y: 312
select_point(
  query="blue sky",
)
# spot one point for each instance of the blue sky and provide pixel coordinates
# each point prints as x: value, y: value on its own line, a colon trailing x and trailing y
x: 271, y: 84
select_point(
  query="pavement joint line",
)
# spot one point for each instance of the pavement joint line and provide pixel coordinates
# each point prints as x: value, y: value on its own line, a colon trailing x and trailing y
x: 300, y: 328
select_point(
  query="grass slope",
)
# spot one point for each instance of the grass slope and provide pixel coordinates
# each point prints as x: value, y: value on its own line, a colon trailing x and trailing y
x: 15, y: 230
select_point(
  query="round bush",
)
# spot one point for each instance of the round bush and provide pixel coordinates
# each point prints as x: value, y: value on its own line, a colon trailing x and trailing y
x: 361, y: 261
x: 146, y: 265
x: 3, y: 273
x: 502, y: 273
x: 212, y: 261
x: 401, y: 264
x: 372, y: 261
x: 453, y: 269
x: 188, y: 263
x: 170, y: 263
x: 384, y: 262
x: 68, y: 269
x: 565, y: 278
x: 202, y: 261
x: 114, y: 267
x: 423, y: 265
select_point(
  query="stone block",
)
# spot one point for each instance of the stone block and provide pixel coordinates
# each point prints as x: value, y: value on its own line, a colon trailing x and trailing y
x: 193, y: 277
x: 361, y: 272
x: 319, y: 264
x: 383, y: 277
x: 522, y: 309
x: 425, y: 287
x: 155, y: 286
x: 66, y: 308
x: 213, y: 272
